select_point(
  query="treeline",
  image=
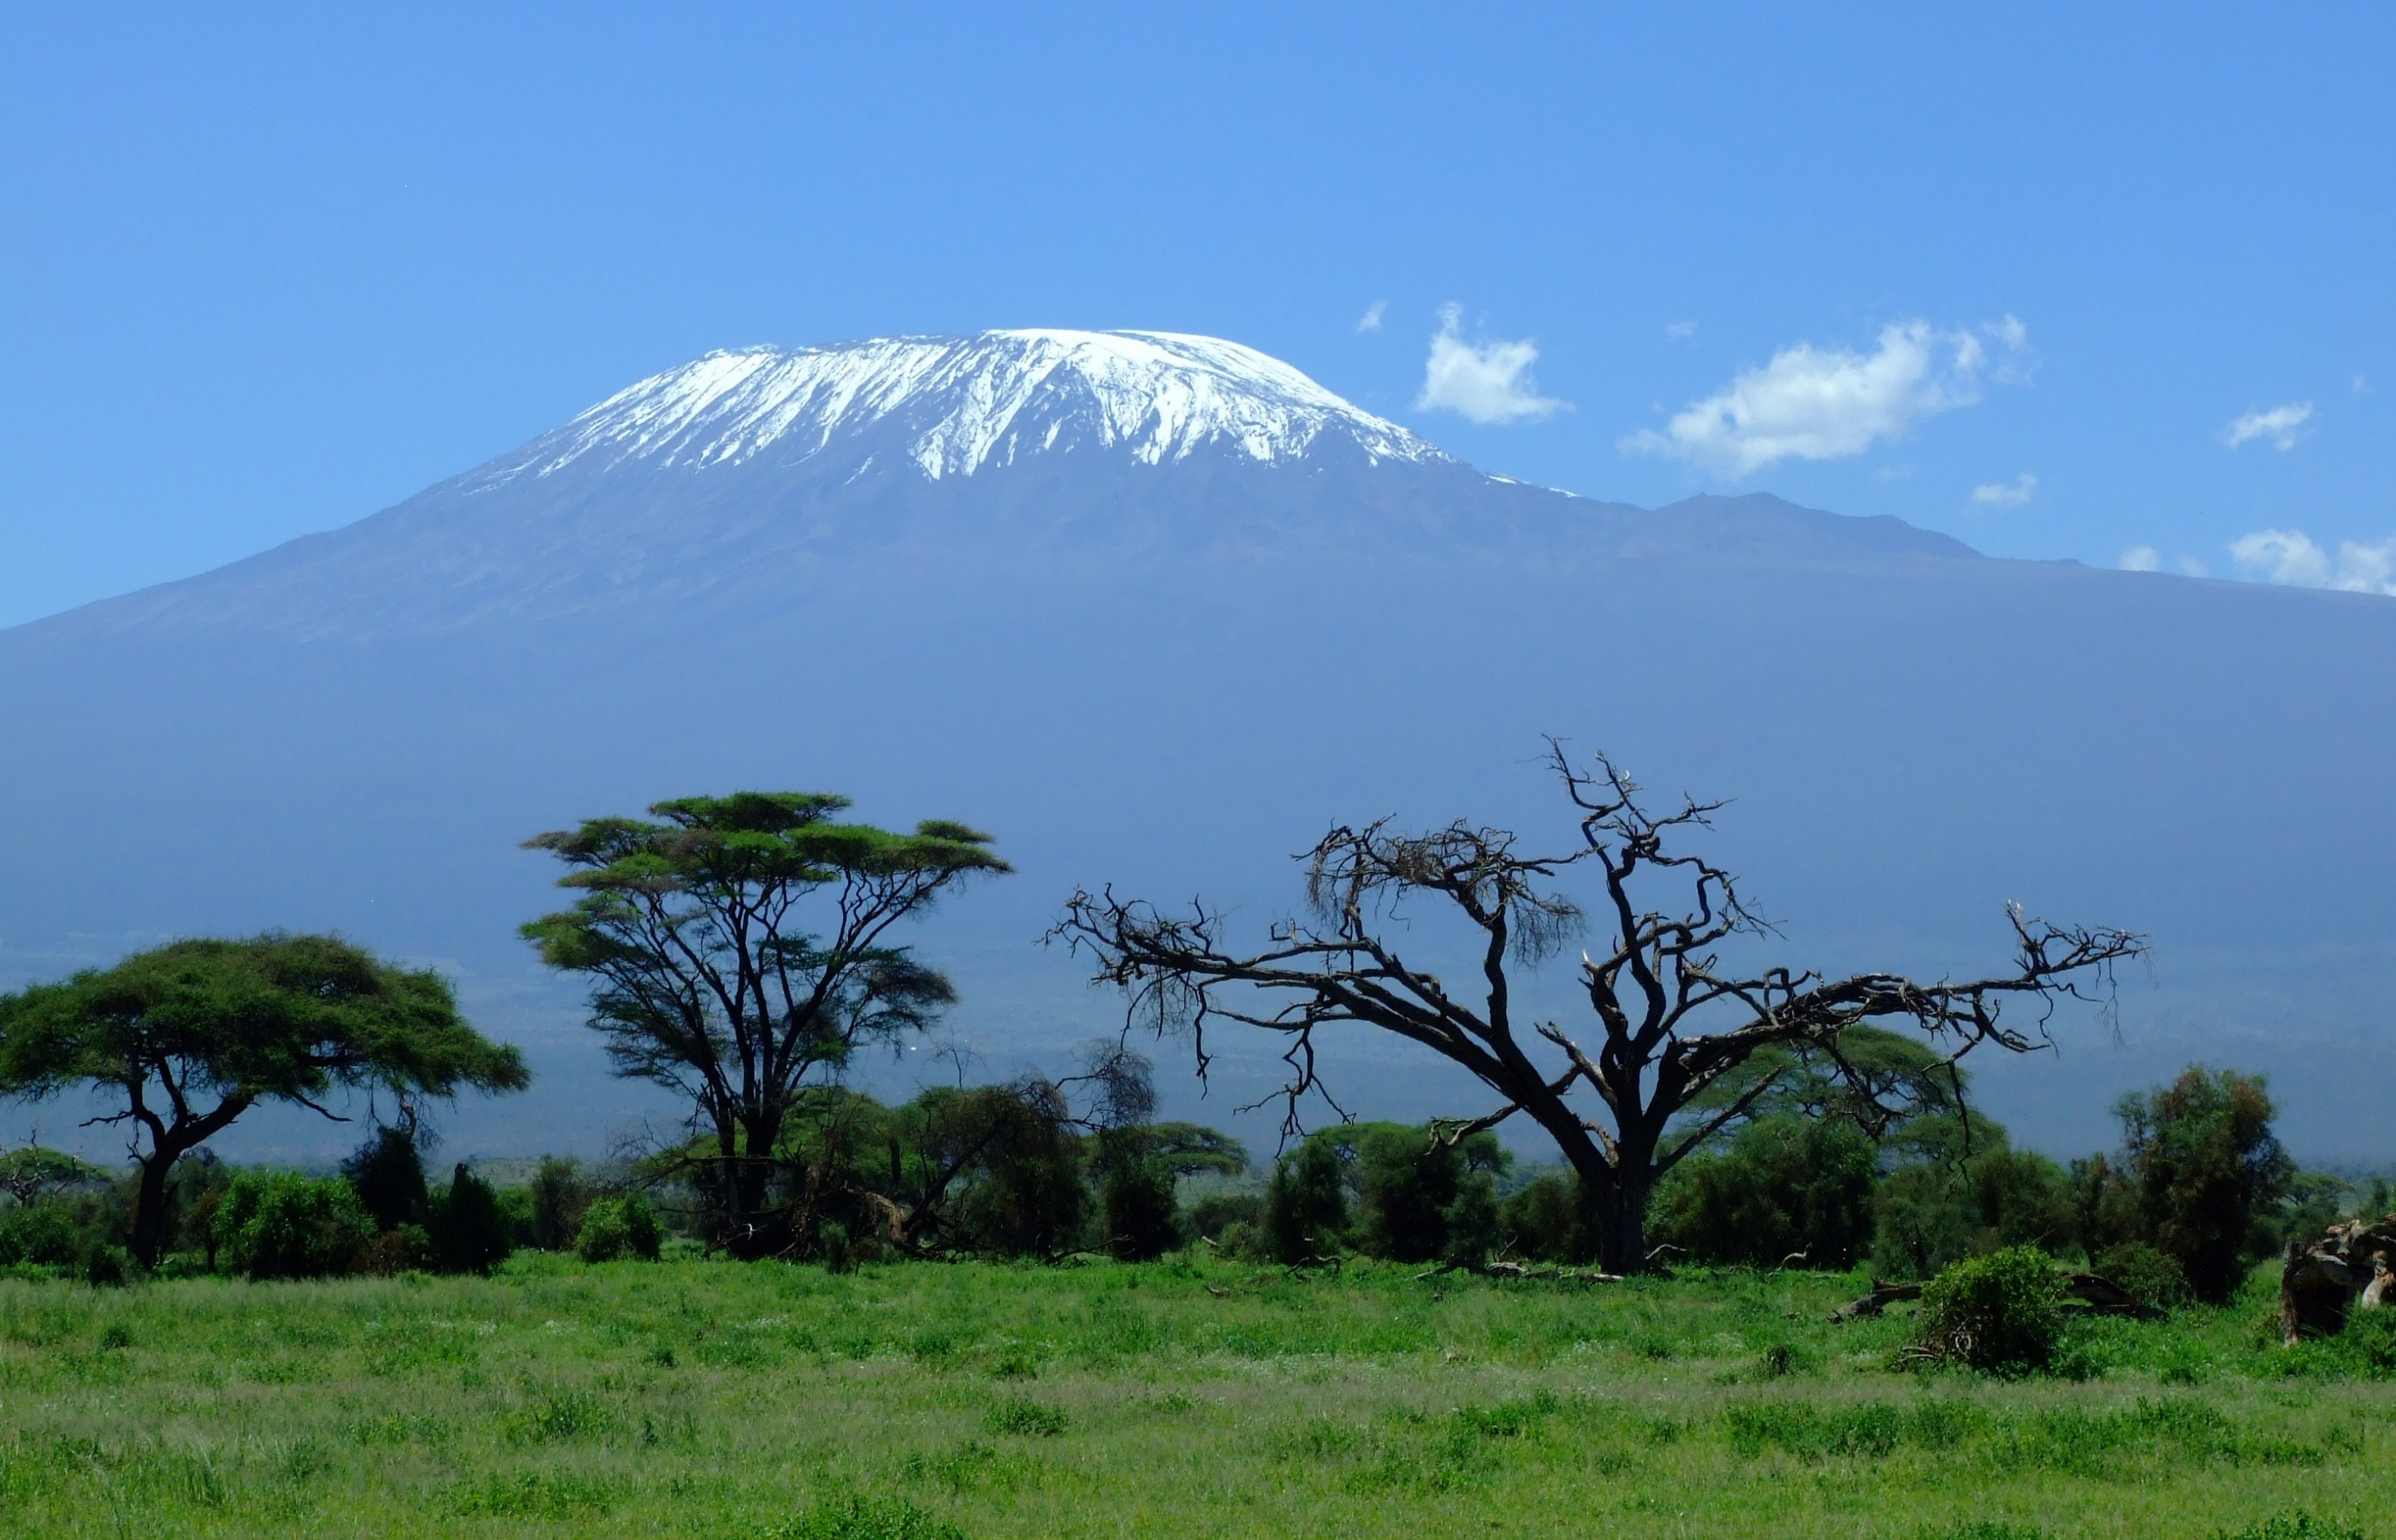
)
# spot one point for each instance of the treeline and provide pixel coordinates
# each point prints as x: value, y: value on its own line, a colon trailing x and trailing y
x: 380, y: 1215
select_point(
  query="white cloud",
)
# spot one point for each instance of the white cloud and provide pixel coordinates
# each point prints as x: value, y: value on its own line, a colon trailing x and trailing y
x: 2290, y: 556
x: 1826, y: 403
x: 2193, y: 567
x: 2282, y: 425
x: 2141, y: 559
x: 1681, y: 331
x: 2006, y: 494
x: 2009, y: 331
x: 1491, y: 383
x: 1371, y: 320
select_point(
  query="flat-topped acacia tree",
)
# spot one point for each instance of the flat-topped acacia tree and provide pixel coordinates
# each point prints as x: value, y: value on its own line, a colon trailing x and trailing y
x: 1671, y: 1020
x: 192, y: 1034
x: 739, y: 953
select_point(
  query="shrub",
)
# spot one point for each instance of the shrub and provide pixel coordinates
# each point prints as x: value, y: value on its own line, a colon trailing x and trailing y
x: 557, y: 1198
x: 2150, y: 1276
x: 1305, y: 1203
x: 616, y: 1228
x: 1936, y: 1211
x: 1410, y: 1183
x: 43, y: 1233
x: 1547, y: 1218
x: 279, y: 1224
x: 2001, y: 1312
x: 1137, y: 1207
x: 467, y: 1226
x: 388, y: 1175
x: 1214, y: 1214
x: 1786, y: 1185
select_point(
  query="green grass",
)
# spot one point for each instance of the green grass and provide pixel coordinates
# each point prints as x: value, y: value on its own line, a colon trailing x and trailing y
x: 930, y: 1403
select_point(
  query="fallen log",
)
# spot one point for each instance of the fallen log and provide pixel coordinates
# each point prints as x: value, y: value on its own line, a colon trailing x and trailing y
x: 2098, y: 1294
x: 1883, y: 1295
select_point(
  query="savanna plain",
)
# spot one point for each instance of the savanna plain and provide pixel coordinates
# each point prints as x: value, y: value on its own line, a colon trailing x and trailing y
x: 1187, y: 1396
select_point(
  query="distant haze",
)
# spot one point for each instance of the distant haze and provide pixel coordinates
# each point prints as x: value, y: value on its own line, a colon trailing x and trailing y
x: 1155, y: 610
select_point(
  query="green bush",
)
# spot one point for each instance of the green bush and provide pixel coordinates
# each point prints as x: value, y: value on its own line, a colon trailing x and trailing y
x: 1547, y: 1218
x: 388, y: 1175
x: 279, y: 1224
x: 1786, y: 1185
x: 618, y: 1228
x: 2150, y: 1276
x: 555, y: 1201
x: 1414, y: 1188
x: 2001, y: 1313
x: 1138, y: 1208
x: 41, y: 1233
x: 1305, y: 1203
x: 469, y: 1229
x: 2201, y: 1158
x: 1937, y: 1211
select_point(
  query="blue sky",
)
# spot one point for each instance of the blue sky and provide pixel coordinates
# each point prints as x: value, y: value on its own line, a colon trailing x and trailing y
x: 264, y: 271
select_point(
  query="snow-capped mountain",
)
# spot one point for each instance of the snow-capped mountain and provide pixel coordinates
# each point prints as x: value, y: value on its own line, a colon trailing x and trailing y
x: 1155, y: 609
x: 961, y: 403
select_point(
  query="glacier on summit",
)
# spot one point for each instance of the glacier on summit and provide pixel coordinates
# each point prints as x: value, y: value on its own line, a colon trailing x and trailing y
x: 965, y: 403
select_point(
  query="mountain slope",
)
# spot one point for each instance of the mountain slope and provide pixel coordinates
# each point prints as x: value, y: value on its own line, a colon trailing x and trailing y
x: 1156, y: 610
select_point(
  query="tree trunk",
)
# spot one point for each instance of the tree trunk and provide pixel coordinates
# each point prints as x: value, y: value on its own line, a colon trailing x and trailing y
x: 1621, y: 1215
x: 149, y: 1238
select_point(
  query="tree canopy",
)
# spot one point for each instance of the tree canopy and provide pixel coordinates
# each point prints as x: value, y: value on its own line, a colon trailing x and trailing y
x: 739, y: 951
x: 189, y: 1036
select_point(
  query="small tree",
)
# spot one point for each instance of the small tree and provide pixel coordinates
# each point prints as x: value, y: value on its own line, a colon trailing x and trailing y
x: 707, y: 978
x: 1672, y: 1018
x: 2200, y: 1156
x: 1305, y: 1203
x: 190, y: 1035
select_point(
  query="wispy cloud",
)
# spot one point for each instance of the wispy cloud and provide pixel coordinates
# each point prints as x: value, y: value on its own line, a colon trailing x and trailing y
x: 1681, y: 331
x: 2011, y: 494
x: 2290, y: 556
x: 1818, y: 404
x: 2281, y: 427
x: 1487, y: 384
x: 2141, y: 559
x: 1371, y: 320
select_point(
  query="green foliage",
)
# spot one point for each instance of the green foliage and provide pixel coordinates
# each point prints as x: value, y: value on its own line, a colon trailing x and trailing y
x: 31, y: 1173
x: 1930, y: 1213
x: 558, y: 1196
x: 1787, y: 1186
x: 2297, y: 1525
x: 387, y: 1172
x: 1547, y: 1220
x: 2001, y: 1313
x: 1422, y: 1197
x: 2201, y: 1159
x: 718, y: 888
x: 43, y: 1233
x: 857, y: 1518
x: 1138, y: 1208
x: 469, y: 1231
x: 1305, y: 1203
x: 279, y: 1224
x: 614, y: 1229
x: 229, y: 1024
x: 2150, y: 1276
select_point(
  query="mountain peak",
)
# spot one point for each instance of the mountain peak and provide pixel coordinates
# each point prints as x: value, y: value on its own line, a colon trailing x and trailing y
x: 954, y: 406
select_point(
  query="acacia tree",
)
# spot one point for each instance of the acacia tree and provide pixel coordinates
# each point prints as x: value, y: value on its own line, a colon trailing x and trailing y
x: 192, y: 1034
x: 706, y: 980
x: 1673, y: 1020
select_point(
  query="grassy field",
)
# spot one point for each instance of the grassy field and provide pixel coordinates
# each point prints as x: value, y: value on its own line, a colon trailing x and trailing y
x: 720, y: 1399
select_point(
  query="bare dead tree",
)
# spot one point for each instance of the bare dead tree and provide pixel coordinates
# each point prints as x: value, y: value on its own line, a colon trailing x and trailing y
x: 1671, y: 1019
